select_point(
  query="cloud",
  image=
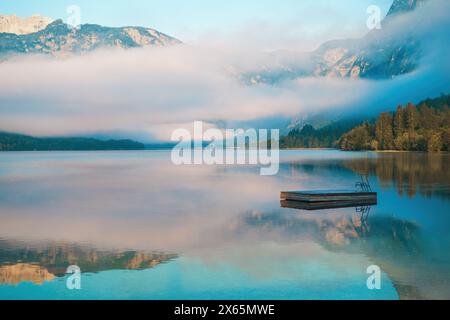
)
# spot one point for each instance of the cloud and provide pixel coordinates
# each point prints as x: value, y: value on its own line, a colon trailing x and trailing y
x: 428, y: 26
x: 144, y: 89
x: 151, y: 90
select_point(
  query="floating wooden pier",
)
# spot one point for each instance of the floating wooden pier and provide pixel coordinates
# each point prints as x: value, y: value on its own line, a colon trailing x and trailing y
x: 327, y: 199
x: 328, y: 195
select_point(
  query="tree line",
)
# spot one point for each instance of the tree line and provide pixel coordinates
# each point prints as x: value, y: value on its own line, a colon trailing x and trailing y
x: 18, y: 142
x: 325, y: 137
x: 425, y: 127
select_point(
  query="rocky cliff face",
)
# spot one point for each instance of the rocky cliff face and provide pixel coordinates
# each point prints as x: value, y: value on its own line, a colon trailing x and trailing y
x: 402, y: 6
x: 378, y: 59
x: 378, y: 55
x: 60, y: 39
x: 20, y: 26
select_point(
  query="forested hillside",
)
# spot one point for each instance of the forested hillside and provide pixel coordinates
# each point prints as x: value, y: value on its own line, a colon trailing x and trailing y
x: 17, y: 142
x: 425, y: 127
x: 325, y: 137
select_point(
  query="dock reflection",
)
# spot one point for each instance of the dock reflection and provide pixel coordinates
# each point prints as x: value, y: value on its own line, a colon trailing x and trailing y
x: 325, y: 205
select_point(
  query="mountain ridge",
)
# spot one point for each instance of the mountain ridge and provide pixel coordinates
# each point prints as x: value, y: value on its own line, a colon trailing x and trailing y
x: 20, y: 26
x: 61, y: 39
x: 373, y: 56
x: 402, y: 6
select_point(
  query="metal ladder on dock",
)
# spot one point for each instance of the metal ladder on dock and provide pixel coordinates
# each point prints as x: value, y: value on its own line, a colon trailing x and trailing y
x: 364, y: 184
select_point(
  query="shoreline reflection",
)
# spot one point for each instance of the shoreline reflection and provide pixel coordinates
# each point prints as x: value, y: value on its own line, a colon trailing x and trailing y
x: 39, y: 262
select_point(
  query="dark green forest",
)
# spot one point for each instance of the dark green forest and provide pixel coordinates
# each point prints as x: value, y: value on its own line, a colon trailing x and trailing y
x: 425, y: 127
x: 17, y: 142
x: 325, y: 137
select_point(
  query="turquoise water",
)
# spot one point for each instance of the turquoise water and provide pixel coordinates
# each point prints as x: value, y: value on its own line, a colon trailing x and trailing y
x: 142, y: 228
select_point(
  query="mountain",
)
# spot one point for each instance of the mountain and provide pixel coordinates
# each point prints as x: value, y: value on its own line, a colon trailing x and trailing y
x: 20, y: 26
x: 18, y: 142
x: 381, y: 54
x: 61, y: 39
x: 402, y: 6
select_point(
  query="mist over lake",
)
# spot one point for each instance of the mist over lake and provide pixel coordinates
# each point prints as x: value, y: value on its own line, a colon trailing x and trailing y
x: 143, y: 228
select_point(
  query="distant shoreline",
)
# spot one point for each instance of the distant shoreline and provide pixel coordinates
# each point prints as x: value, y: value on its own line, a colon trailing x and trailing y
x: 376, y: 151
x: 168, y: 149
x: 309, y: 149
x: 13, y: 142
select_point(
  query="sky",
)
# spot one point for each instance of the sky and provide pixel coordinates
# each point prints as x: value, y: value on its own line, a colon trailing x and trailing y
x: 196, y: 20
x: 147, y: 93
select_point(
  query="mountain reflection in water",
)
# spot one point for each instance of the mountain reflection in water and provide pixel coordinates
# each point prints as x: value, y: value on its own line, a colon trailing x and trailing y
x: 30, y: 262
x: 221, y: 229
x: 388, y: 241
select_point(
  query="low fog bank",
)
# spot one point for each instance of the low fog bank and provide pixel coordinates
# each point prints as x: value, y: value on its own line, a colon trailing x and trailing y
x: 146, y: 93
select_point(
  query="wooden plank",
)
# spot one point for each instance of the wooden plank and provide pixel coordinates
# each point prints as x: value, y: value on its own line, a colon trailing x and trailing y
x: 328, y: 196
x: 324, y: 205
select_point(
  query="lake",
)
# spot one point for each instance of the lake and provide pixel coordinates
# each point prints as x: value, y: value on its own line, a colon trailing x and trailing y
x: 140, y: 227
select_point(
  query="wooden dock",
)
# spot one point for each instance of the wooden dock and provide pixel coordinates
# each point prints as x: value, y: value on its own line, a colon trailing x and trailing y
x: 328, y: 195
x: 327, y: 199
x: 324, y: 205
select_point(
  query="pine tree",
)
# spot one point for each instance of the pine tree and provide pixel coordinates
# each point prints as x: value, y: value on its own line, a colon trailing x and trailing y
x: 434, y: 142
x: 384, y: 132
x: 411, y: 117
x: 446, y: 139
x: 399, y: 122
x: 428, y: 118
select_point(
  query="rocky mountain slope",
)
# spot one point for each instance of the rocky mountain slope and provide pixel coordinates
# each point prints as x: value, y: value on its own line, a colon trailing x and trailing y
x: 381, y: 54
x: 60, y: 39
x: 20, y: 26
x: 378, y: 55
x: 402, y: 6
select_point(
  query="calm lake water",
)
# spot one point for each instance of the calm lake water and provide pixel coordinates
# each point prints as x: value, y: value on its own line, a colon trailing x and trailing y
x: 141, y: 228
